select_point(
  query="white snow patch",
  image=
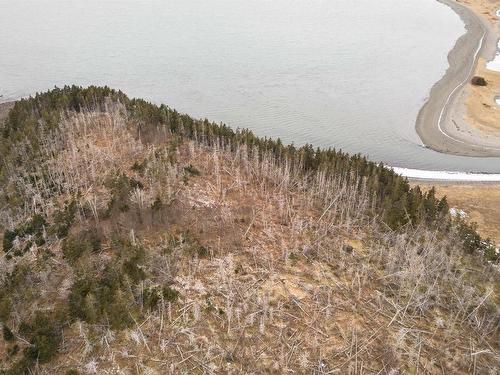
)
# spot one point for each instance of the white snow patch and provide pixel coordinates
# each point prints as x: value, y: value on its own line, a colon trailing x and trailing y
x: 446, y: 175
x: 495, y: 63
x: 458, y: 212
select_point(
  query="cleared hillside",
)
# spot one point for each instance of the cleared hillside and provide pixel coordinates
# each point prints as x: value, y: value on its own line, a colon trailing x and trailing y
x: 139, y: 240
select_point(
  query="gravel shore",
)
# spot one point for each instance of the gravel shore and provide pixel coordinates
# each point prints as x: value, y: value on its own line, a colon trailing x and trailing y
x: 440, y: 123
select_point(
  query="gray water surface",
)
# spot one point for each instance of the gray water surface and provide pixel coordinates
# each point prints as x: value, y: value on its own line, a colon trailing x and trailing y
x: 350, y: 74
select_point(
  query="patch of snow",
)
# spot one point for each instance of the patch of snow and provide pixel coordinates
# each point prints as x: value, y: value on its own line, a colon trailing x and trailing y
x: 495, y: 63
x: 91, y: 367
x: 135, y: 336
x: 446, y: 175
x: 439, y: 322
x: 458, y: 212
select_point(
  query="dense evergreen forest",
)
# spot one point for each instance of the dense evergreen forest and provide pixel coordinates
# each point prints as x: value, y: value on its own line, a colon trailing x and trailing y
x: 393, y: 200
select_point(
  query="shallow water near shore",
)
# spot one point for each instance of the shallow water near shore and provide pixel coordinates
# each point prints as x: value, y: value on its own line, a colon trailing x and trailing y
x: 344, y: 74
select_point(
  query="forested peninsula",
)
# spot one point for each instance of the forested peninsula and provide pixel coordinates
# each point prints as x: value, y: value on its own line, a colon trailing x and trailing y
x: 138, y: 239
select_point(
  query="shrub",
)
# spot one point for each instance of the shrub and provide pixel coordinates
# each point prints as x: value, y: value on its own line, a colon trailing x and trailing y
x: 27, y: 246
x: 120, y: 187
x: 44, y: 337
x: 13, y: 350
x: 170, y: 294
x: 191, y: 244
x: 469, y: 236
x: 5, y: 306
x: 152, y: 295
x: 139, y: 167
x: 33, y: 227
x: 198, y: 249
x: 8, y: 239
x: 131, y: 257
x: 490, y: 251
x: 7, y: 333
x: 103, y: 299
x: 118, y: 312
x: 478, y: 81
x: 88, y: 240
x: 78, y: 302
x: 192, y: 170
x: 132, y: 269
x: 107, y: 297
x: 21, y: 367
x: 64, y: 219
x: 157, y: 205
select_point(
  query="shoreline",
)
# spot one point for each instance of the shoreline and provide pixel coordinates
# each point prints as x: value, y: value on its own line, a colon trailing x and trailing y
x: 416, y: 175
x: 447, y: 176
x: 440, y: 123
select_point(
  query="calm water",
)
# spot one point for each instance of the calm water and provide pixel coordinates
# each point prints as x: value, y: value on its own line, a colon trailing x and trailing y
x: 347, y: 73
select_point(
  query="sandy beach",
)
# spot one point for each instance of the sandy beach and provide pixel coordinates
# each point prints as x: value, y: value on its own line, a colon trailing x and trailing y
x: 444, y: 123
